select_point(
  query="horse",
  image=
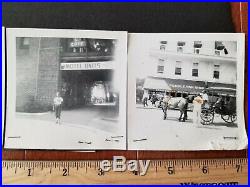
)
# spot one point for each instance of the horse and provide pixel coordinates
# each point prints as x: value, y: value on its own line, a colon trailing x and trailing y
x: 175, y: 102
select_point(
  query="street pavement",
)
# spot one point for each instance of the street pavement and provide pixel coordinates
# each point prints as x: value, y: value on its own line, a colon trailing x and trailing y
x: 104, y: 118
x: 149, y: 131
x: 98, y: 128
x: 82, y: 128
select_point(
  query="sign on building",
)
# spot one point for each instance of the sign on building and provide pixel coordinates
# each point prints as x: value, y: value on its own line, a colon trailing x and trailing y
x: 87, y: 66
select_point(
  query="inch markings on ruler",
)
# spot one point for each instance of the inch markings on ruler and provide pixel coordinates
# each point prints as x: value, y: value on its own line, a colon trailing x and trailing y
x: 189, y: 171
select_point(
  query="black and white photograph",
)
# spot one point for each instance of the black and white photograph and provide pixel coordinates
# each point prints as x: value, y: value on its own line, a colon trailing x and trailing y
x: 66, y: 89
x: 3, y: 81
x: 186, y: 92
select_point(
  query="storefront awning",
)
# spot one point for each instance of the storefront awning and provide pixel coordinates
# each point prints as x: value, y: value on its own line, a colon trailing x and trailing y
x: 222, y: 89
x: 156, y: 84
x: 175, y: 85
x: 188, y: 86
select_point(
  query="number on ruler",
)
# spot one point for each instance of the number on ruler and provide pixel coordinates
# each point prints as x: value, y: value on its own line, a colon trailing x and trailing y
x: 65, y: 172
x: 205, y: 169
x: 100, y: 172
x: 29, y: 172
x: 171, y: 170
x: 238, y: 168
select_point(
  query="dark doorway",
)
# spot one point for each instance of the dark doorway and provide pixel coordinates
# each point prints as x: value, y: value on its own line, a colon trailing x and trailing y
x: 87, y: 87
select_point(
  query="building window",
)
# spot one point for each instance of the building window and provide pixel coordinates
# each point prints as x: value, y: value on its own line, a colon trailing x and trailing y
x: 217, y: 52
x: 219, y: 48
x: 24, y: 43
x: 180, y: 43
x: 216, y: 71
x: 219, y: 45
x: 195, y: 72
x: 160, y: 69
x: 177, y: 71
x: 178, y: 68
x: 197, y: 44
x: 216, y: 66
x: 162, y: 47
x: 180, y: 49
x: 216, y: 74
x: 161, y: 60
x: 197, y: 47
x: 180, y: 46
x: 197, y: 51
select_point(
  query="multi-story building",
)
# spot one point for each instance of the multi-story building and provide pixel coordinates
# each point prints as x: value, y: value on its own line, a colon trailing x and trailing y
x: 80, y: 69
x: 193, y: 66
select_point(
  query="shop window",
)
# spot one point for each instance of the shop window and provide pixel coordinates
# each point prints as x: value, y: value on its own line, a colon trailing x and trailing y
x: 24, y: 43
x: 173, y: 94
x: 216, y: 75
x: 160, y: 69
x: 178, y: 94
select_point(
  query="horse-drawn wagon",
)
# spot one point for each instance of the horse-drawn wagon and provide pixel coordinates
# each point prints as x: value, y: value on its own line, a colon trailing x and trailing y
x: 226, y: 108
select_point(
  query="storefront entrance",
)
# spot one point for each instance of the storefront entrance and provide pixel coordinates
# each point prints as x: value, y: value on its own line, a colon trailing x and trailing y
x: 87, y: 87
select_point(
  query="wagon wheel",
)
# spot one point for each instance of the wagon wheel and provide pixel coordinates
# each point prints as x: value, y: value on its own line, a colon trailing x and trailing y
x: 233, y: 118
x: 229, y: 118
x: 207, y: 117
x: 226, y: 118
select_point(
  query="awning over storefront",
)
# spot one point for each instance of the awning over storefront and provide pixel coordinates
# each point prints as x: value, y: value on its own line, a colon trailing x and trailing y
x: 222, y: 89
x: 156, y: 84
x: 174, y: 85
x: 188, y: 86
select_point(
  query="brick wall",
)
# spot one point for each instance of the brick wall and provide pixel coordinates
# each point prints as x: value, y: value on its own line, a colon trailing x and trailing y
x: 48, y: 75
x: 37, y: 74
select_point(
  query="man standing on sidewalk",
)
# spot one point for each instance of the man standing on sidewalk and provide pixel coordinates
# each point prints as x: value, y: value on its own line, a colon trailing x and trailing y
x: 205, y: 99
x: 57, y: 107
x: 145, y: 99
x: 197, y: 102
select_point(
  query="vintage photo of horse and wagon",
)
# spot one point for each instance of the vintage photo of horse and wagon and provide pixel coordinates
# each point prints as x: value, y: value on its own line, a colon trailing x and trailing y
x: 199, y: 81
x: 202, y: 107
x: 187, y: 91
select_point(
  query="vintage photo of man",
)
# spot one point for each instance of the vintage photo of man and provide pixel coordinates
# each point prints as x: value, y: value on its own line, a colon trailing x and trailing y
x: 186, y: 90
x: 69, y: 89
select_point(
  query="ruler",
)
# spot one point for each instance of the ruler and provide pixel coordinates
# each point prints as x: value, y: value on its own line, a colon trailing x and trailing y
x: 184, y: 172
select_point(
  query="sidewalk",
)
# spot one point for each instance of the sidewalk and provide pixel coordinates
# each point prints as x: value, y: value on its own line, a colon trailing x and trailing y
x: 49, y: 135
